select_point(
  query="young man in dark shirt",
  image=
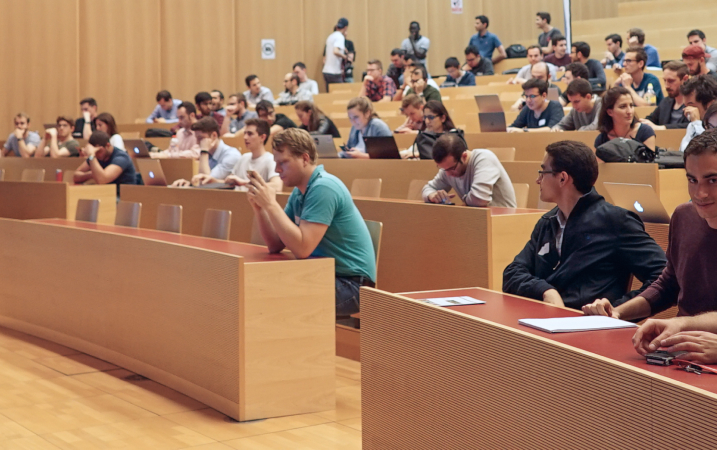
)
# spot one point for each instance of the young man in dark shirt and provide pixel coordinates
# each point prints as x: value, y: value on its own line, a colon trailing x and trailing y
x: 560, y: 57
x: 670, y: 113
x: 88, y: 106
x: 105, y: 164
x: 540, y: 114
x: 476, y: 64
x: 596, y: 75
x: 278, y: 122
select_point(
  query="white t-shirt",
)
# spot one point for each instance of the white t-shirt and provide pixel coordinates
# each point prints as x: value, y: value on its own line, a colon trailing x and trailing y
x: 333, y: 62
x: 117, y: 141
x: 263, y: 165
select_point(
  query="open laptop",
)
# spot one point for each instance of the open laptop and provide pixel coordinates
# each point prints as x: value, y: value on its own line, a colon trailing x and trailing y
x: 488, y: 103
x: 381, y: 147
x: 136, y: 148
x: 151, y: 170
x: 490, y: 113
x: 553, y: 94
x: 638, y: 198
x: 325, y: 146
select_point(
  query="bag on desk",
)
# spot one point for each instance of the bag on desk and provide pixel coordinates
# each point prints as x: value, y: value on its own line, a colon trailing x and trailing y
x: 157, y: 132
x: 670, y: 159
x: 426, y: 139
x: 625, y: 150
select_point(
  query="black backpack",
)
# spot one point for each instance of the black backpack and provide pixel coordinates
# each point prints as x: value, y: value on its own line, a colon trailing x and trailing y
x: 625, y: 150
x: 516, y: 51
x: 425, y: 140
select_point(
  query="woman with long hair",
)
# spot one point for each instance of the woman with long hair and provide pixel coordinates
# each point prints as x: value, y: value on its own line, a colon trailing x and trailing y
x: 105, y: 122
x: 314, y: 120
x: 364, y: 123
x: 437, y: 121
x: 618, y: 120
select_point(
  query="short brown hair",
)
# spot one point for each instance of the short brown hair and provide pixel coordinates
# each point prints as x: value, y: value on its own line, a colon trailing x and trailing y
x: 240, y: 98
x: 580, y: 87
x: 704, y: 143
x: 67, y: 119
x: 640, y: 55
x: 376, y: 62
x: 110, y: 121
x: 99, y: 139
x: 449, y: 144
x: 578, y: 160
x: 678, y: 67
x: 297, y: 142
x: 262, y: 127
x: 412, y: 100
x: 23, y: 115
x: 206, y: 125
x: 638, y: 33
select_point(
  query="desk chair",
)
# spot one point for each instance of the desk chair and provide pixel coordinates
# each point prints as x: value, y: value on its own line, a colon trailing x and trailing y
x: 415, y: 190
x: 87, y: 210
x: 2, y: 174
x: 504, y: 154
x: 216, y: 224
x: 128, y: 214
x: 169, y: 218
x: 521, y: 194
x: 36, y: 175
x: 366, y: 187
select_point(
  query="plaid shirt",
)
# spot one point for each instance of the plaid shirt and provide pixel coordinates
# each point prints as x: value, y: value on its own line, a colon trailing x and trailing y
x: 376, y: 92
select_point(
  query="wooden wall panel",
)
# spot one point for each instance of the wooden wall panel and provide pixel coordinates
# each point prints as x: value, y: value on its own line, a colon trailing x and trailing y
x: 189, y: 65
x: 120, y: 56
x: 452, y: 31
x: 281, y: 20
x: 39, y: 56
x: 320, y: 16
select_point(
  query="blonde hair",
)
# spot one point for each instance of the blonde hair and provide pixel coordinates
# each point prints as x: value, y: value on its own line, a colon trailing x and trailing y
x: 412, y: 100
x: 297, y: 142
x: 363, y: 104
x: 24, y: 116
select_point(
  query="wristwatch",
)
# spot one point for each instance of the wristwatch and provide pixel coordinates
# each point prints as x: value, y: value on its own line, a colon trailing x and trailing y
x: 90, y: 158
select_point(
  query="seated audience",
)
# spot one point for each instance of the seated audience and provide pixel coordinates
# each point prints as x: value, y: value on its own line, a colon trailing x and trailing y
x: 166, y: 109
x: 410, y: 66
x: 218, y: 102
x: 614, y: 54
x: 560, y: 57
x: 545, y: 39
x: 292, y: 94
x: 314, y: 120
x: 364, y: 123
x: 636, y: 80
x: 106, y: 122
x: 699, y: 93
x: 184, y: 144
x: 585, y: 248
x: 238, y: 113
x: 415, y: 44
x: 256, y: 159
x: 396, y: 68
x: 58, y: 141
x: 698, y: 37
x: 538, y: 71
x: 105, y: 164
x: 695, y: 335
x: 419, y: 85
x: 412, y: 108
x: 687, y: 281
x: 203, y: 102
x: 305, y: 82
x: 256, y: 91
x: 319, y: 220
x: 670, y: 112
x: 586, y: 108
x: 541, y: 114
x: 709, y: 122
x: 596, y: 75
x: 456, y: 76
x: 476, y: 64
x: 377, y: 86
x: 694, y: 56
x: 486, y: 42
x: 21, y: 142
x: 436, y: 121
x: 618, y: 120
x: 573, y: 71
x: 534, y: 57
x: 85, y: 125
x: 476, y: 176
x: 278, y: 122
x: 216, y: 158
x: 636, y: 38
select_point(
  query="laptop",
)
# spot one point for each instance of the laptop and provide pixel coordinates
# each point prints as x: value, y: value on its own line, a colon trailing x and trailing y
x: 638, y: 198
x: 325, y: 146
x: 553, y: 94
x: 136, y: 148
x: 381, y: 147
x: 488, y: 103
x: 490, y: 113
x: 151, y: 170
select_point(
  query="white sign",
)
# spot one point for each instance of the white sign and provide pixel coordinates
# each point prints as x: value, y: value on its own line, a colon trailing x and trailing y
x: 268, y: 49
x: 457, y: 6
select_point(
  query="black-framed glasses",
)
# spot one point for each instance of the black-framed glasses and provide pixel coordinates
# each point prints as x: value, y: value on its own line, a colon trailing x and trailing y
x: 545, y: 172
x: 429, y: 117
x: 531, y: 96
x: 455, y: 166
x: 628, y: 60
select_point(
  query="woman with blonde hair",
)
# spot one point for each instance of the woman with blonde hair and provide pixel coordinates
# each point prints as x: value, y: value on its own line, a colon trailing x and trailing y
x: 364, y: 123
x: 314, y: 120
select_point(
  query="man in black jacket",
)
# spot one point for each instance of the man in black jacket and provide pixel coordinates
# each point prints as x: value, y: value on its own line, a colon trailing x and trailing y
x: 585, y: 249
x: 669, y: 113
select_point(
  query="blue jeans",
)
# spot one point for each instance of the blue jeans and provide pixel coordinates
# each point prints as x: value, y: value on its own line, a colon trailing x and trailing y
x: 347, y: 297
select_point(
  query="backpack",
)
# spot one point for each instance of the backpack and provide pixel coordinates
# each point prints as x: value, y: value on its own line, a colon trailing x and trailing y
x: 426, y: 139
x: 516, y: 51
x: 625, y: 150
x: 157, y: 132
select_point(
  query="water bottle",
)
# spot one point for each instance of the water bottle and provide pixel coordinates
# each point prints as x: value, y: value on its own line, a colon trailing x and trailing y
x: 650, y: 96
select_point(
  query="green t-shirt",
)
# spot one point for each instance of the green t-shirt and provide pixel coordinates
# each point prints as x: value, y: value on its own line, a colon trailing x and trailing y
x: 347, y: 240
x: 72, y: 146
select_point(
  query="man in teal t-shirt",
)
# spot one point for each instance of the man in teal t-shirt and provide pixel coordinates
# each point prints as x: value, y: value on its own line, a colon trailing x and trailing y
x: 320, y: 218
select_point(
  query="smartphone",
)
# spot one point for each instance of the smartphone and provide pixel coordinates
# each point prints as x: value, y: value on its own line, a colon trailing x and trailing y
x: 251, y: 173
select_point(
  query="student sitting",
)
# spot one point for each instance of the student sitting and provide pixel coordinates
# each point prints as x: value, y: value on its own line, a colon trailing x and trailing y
x: 105, y: 164
x: 278, y: 122
x: 412, y: 108
x: 540, y: 114
x: 364, y: 123
x: 21, y: 142
x: 436, y: 122
x: 314, y: 120
x: 237, y: 114
x: 184, y: 144
x: 586, y: 108
x: 670, y: 112
x: 456, y: 76
x: 166, y: 109
x: 58, y: 141
x: 106, y: 122
x: 618, y: 120
x: 698, y: 93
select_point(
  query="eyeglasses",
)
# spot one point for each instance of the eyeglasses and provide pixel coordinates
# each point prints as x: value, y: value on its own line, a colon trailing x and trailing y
x: 545, y: 172
x: 455, y: 166
x: 429, y: 117
x: 628, y: 60
x: 531, y: 96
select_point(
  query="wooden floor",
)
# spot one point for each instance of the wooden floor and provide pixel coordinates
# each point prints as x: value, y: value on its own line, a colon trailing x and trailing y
x: 52, y: 397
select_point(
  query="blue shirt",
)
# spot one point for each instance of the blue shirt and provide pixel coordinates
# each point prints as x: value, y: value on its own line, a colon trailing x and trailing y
x: 121, y: 158
x: 168, y: 116
x: 375, y: 127
x: 649, y: 78
x: 347, y: 240
x: 223, y: 160
x: 468, y: 79
x: 485, y: 44
x: 653, y: 58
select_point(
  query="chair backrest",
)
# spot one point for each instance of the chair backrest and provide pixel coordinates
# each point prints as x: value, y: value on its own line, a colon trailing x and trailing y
x: 36, y: 175
x: 217, y: 223
x: 128, y: 214
x: 521, y: 194
x: 375, y: 229
x: 506, y: 154
x: 366, y: 187
x: 2, y: 174
x: 87, y: 210
x: 169, y: 218
x: 415, y: 189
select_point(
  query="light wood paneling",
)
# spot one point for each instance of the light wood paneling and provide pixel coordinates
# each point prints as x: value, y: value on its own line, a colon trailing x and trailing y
x: 389, y: 27
x: 199, y: 47
x: 451, y: 32
x: 119, y: 56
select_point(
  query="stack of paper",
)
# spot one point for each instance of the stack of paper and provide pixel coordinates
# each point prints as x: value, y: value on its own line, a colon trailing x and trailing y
x: 452, y: 301
x: 578, y: 323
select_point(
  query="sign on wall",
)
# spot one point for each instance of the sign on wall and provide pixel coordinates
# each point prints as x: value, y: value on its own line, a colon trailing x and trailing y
x: 457, y: 6
x: 268, y: 49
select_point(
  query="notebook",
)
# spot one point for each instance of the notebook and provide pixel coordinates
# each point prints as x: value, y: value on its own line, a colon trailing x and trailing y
x: 578, y: 323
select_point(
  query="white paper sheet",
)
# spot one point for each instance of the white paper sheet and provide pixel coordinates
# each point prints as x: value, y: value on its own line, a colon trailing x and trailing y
x: 453, y: 301
x: 578, y: 323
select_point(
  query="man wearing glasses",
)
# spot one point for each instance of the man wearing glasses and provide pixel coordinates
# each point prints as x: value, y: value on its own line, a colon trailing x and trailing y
x: 635, y: 80
x: 377, y: 86
x: 476, y: 176
x: 585, y: 248
x: 476, y: 64
x: 541, y: 114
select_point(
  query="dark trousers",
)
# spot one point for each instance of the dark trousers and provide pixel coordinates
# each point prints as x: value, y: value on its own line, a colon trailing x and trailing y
x: 332, y: 78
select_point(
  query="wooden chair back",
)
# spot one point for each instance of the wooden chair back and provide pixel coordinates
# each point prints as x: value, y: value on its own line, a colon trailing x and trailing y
x: 415, y: 190
x: 128, y: 214
x: 366, y: 187
x: 87, y: 210
x: 216, y: 224
x: 36, y: 175
x: 521, y: 194
x: 169, y: 218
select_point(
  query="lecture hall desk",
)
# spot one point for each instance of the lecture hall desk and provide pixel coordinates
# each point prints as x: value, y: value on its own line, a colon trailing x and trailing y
x: 471, y: 377
x: 245, y: 332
